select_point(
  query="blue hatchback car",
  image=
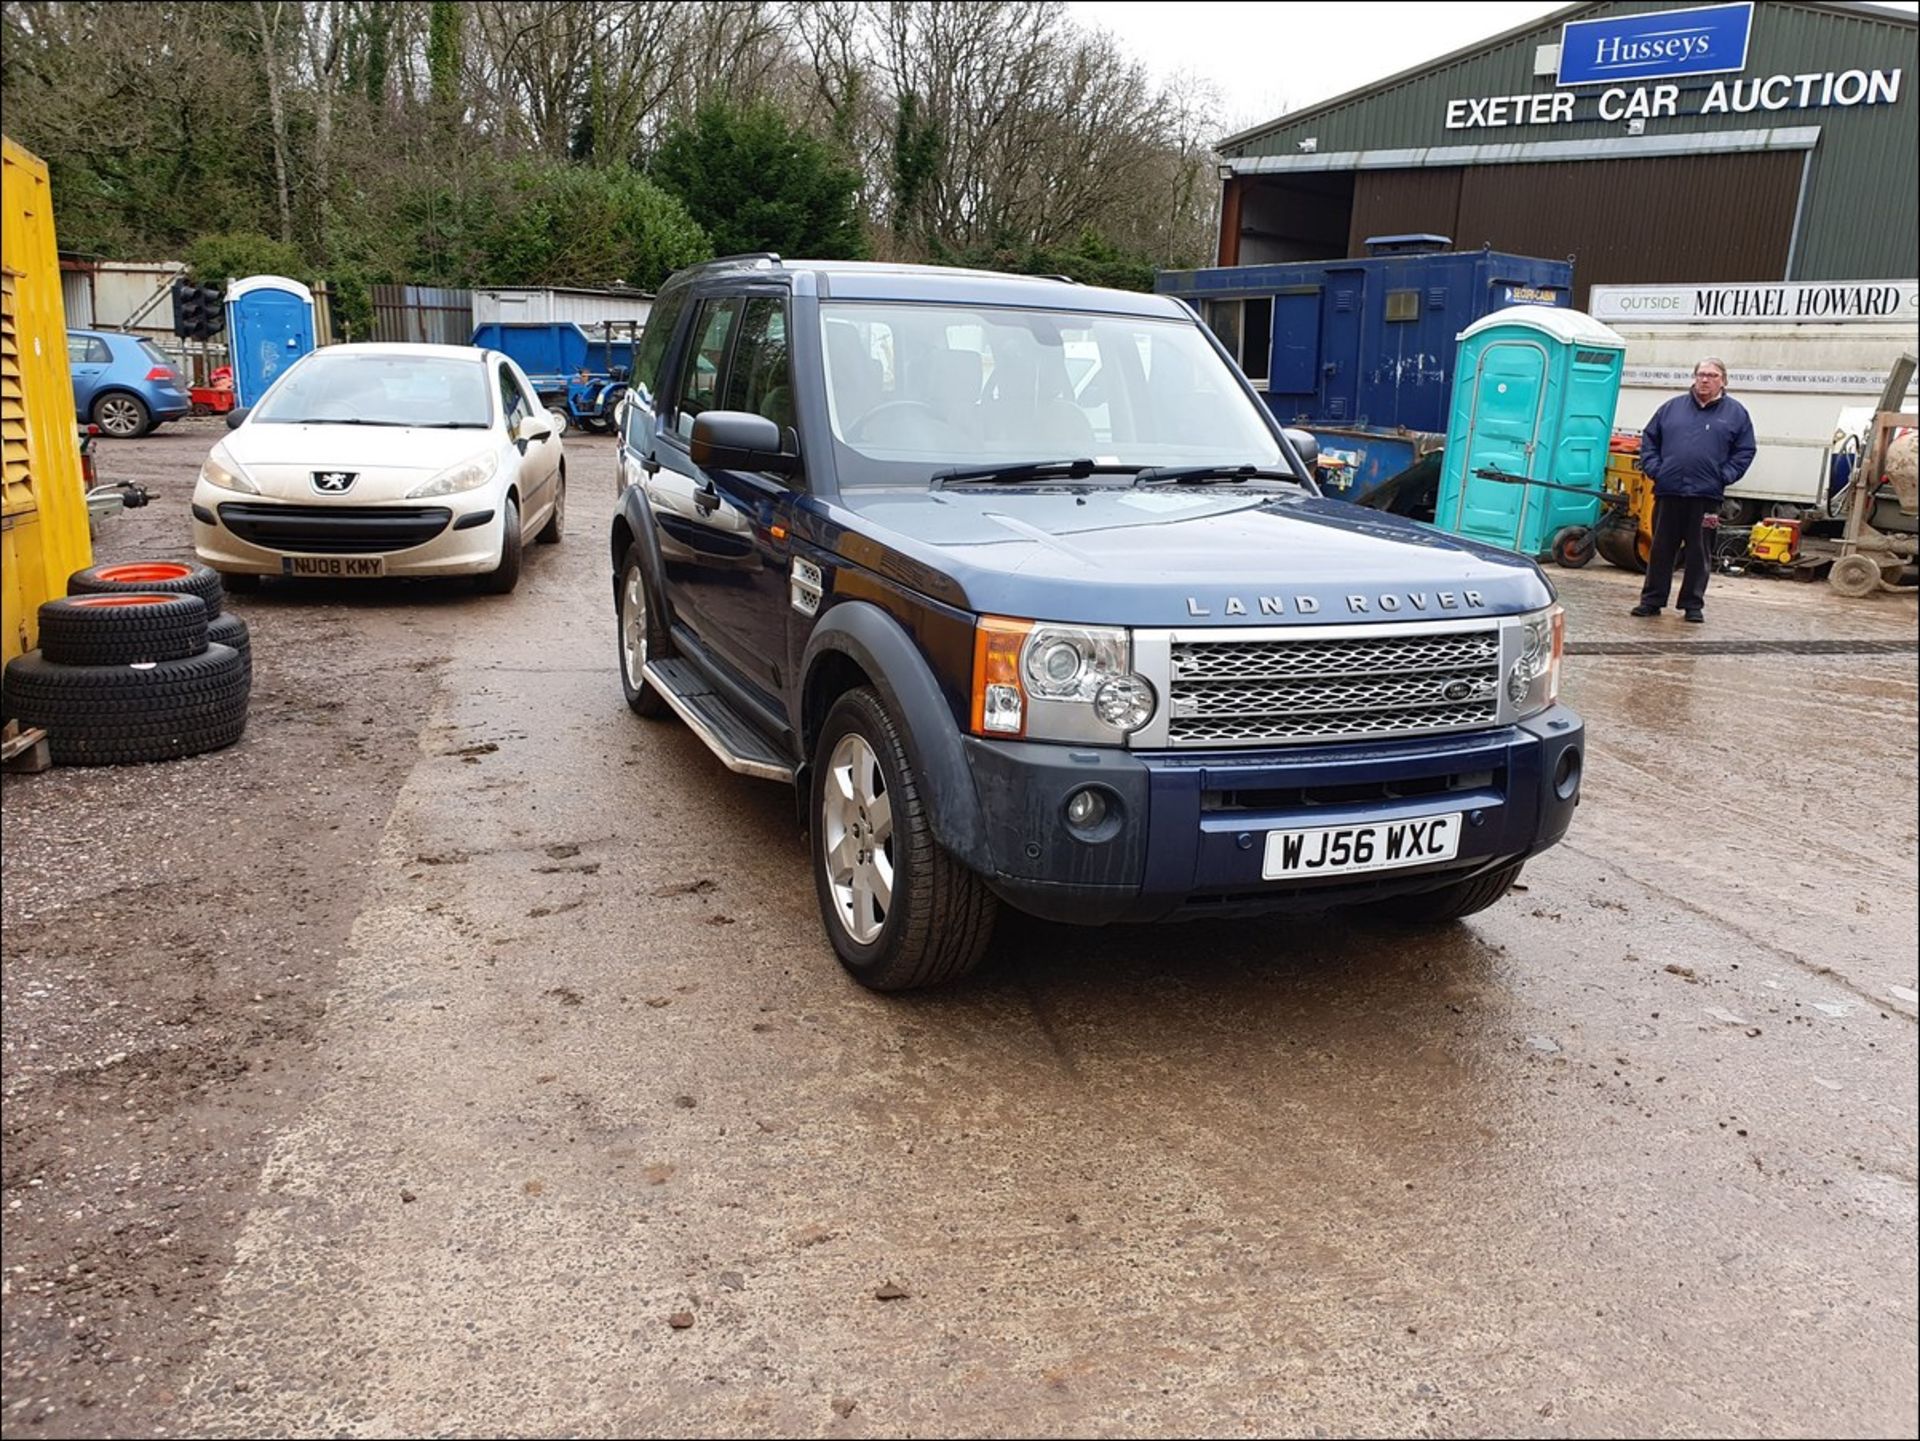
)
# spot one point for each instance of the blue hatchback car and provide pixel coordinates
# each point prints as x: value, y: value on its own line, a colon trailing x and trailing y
x: 124, y: 384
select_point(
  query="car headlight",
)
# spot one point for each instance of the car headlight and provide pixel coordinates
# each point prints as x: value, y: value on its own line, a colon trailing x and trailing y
x: 468, y: 475
x: 1533, y: 683
x: 223, y: 472
x: 1056, y: 682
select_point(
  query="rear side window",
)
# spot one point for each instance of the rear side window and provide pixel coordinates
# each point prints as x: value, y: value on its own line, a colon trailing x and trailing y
x: 652, y: 350
x: 700, y: 381
x: 758, y: 379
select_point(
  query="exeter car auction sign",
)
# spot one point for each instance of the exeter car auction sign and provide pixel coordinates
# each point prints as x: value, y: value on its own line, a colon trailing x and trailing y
x: 1651, y: 65
x: 1805, y: 302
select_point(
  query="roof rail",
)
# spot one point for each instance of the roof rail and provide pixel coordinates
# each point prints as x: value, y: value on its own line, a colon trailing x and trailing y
x: 1068, y: 278
x: 767, y: 255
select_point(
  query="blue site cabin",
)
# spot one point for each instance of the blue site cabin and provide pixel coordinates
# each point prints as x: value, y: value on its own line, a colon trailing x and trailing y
x: 1360, y: 351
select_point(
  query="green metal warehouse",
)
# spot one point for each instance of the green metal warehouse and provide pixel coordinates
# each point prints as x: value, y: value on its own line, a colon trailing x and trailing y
x: 1773, y: 140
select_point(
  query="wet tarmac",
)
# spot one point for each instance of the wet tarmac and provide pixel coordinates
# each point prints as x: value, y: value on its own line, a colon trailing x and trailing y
x: 594, y: 1137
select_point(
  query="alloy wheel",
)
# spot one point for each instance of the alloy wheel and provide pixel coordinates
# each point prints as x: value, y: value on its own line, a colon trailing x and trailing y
x: 857, y: 814
x: 119, y: 416
x: 633, y: 628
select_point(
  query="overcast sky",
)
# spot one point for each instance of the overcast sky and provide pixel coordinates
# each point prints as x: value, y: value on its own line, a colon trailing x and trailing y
x: 1265, y: 58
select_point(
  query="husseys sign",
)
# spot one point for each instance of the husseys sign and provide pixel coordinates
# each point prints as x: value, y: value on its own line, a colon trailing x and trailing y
x: 1660, y: 45
x: 1675, y: 50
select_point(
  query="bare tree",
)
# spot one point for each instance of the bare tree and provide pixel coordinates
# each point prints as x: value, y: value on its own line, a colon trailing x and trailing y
x: 270, y: 24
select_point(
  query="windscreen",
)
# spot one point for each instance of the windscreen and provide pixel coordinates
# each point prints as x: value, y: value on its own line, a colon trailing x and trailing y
x: 363, y: 389
x: 914, y: 389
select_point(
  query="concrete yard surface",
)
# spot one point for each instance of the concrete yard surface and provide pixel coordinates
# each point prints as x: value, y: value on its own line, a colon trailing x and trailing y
x: 462, y: 1054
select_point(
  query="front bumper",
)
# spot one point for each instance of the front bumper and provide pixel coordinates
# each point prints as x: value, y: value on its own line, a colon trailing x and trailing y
x: 252, y: 535
x: 1191, y: 829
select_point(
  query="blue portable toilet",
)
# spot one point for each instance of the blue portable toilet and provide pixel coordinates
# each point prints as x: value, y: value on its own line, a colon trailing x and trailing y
x: 1533, y: 397
x: 269, y: 326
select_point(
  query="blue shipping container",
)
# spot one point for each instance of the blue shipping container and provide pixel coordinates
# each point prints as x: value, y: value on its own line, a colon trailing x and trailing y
x: 1363, y: 343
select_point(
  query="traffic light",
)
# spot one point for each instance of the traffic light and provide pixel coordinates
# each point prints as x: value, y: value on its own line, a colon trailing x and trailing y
x: 199, y: 311
x: 186, y: 307
x: 213, y: 311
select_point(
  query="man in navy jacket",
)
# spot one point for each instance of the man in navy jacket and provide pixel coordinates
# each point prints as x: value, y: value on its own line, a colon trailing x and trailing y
x: 1695, y: 446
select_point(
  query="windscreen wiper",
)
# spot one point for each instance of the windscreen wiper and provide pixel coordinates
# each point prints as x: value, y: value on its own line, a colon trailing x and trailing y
x: 1016, y: 472
x: 1211, y: 474
x: 344, y: 420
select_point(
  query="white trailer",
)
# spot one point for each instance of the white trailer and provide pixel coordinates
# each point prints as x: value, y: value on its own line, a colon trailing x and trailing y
x: 1796, y: 354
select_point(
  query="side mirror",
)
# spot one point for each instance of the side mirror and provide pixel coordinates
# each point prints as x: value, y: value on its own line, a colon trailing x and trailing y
x: 537, y: 426
x: 237, y: 416
x: 1306, y: 445
x: 739, y: 440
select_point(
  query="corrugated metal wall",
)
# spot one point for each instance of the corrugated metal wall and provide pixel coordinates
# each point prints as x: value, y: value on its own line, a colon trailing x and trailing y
x: 76, y: 294
x: 436, y: 315
x: 1410, y: 202
x: 123, y: 290
x: 1616, y: 218
x: 1862, y: 216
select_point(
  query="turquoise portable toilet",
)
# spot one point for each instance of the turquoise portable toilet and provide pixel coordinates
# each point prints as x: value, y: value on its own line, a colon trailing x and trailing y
x: 1533, y: 398
x: 269, y: 326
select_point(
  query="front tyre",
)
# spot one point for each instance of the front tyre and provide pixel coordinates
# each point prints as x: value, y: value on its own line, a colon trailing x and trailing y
x: 900, y: 911
x: 1450, y: 903
x: 506, y: 575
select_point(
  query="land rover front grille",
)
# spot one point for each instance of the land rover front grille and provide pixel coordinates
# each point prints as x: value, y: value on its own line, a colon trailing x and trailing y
x: 1276, y: 692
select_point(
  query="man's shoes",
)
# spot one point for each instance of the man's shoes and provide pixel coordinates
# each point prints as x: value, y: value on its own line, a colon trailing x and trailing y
x: 1697, y: 617
x: 1645, y: 610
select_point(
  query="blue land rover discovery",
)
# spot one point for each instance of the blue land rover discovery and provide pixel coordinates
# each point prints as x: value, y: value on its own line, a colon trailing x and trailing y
x: 1022, y: 588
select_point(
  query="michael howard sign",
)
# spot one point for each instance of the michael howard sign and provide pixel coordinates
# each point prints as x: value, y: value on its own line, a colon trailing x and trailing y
x: 1659, y: 45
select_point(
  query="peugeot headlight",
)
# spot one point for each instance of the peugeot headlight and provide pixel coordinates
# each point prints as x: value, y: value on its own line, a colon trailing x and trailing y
x: 1533, y: 683
x: 223, y: 472
x: 1057, y: 682
x: 468, y: 475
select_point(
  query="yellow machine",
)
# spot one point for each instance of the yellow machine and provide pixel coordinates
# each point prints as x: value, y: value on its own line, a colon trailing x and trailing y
x: 1774, y: 542
x: 1625, y: 532
x: 45, y: 535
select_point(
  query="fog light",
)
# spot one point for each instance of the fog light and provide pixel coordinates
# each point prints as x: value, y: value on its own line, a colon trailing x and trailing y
x: 1125, y: 702
x: 1566, y: 775
x: 1086, y: 809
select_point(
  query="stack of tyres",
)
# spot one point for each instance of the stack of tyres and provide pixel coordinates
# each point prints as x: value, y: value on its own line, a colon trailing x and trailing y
x: 137, y: 663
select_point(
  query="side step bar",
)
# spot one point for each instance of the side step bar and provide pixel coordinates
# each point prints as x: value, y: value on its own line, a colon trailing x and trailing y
x: 707, y: 713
